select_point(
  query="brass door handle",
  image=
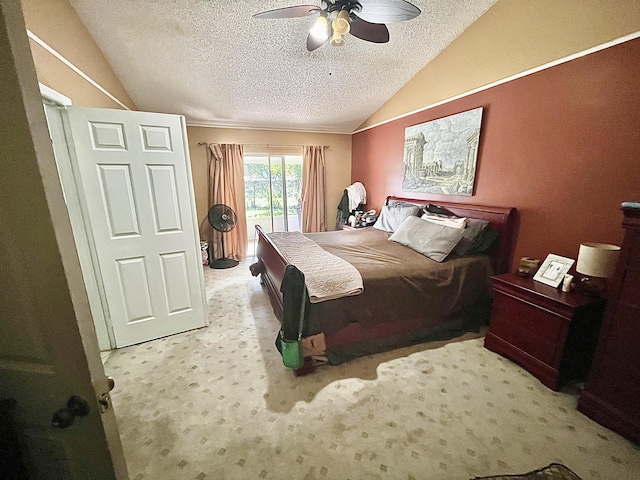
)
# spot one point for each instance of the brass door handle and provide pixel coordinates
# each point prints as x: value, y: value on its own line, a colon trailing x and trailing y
x: 105, y: 399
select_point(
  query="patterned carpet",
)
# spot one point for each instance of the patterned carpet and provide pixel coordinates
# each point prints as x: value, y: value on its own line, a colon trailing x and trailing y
x: 217, y: 403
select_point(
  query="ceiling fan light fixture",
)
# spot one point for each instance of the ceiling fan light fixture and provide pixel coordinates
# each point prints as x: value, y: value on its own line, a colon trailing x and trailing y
x: 337, y: 40
x: 341, y: 27
x: 320, y: 29
x: 341, y: 23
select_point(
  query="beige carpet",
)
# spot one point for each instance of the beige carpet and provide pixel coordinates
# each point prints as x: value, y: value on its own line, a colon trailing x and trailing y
x: 217, y: 403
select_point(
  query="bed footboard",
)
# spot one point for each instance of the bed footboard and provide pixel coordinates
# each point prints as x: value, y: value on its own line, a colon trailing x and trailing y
x: 270, y: 266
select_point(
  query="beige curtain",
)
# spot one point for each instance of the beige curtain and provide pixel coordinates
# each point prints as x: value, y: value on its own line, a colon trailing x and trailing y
x: 314, y: 217
x: 226, y: 185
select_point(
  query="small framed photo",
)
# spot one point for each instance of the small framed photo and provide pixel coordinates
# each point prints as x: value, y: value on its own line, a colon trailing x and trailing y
x: 553, y: 270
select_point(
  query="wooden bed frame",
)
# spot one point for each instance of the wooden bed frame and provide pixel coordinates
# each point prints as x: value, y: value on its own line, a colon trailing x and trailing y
x: 271, y: 263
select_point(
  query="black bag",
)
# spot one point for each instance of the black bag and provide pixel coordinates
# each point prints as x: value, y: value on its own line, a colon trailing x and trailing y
x: 294, y: 317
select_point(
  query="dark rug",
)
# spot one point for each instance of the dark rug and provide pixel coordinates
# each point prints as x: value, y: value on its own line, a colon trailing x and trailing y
x: 555, y: 471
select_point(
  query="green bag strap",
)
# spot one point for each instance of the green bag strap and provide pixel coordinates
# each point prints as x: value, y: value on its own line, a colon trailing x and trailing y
x: 302, y: 310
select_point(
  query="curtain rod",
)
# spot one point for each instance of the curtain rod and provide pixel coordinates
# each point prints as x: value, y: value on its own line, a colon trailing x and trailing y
x: 279, y: 146
x: 202, y: 144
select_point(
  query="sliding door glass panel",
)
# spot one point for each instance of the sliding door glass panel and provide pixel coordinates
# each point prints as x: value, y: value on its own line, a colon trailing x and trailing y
x: 272, y: 192
x: 277, y: 193
x: 257, y: 190
x: 293, y: 186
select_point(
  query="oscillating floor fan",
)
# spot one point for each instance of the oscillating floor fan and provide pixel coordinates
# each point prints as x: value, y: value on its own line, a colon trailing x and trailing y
x: 223, y: 219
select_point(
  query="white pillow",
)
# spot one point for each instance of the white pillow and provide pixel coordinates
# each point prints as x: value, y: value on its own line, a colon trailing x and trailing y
x: 427, y: 238
x: 455, y: 222
x: 391, y: 216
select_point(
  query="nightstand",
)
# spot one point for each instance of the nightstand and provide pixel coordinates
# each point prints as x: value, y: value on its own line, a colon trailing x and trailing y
x: 551, y: 333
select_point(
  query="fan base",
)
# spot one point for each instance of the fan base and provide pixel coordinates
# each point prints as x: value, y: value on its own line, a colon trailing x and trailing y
x: 223, y: 263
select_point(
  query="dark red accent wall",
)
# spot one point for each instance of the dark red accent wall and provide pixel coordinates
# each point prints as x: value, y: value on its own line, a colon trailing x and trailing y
x: 561, y: 145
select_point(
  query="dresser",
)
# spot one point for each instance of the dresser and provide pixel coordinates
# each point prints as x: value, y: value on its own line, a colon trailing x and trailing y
x: 611, y: 396
x: 551, y: 333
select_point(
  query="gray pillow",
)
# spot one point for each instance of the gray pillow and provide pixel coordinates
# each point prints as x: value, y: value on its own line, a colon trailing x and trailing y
x: 392, y: 202
x: 472, y: 232
x: 484, y: 242
x: 429, y: 239
x: 476, y: 238
x: 391, y: 216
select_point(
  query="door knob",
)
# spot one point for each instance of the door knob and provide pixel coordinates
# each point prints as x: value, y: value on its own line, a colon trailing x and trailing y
x: 63, y: 418
x: 76, y: 407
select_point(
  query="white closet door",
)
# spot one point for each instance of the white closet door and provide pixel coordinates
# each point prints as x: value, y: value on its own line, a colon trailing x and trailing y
x: 134, y: 174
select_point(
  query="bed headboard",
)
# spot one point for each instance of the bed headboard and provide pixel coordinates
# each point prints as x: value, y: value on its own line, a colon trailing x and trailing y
x: 502, y: 219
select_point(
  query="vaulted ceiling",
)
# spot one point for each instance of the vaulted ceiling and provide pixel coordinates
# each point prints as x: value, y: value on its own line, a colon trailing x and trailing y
x: 212, y: 62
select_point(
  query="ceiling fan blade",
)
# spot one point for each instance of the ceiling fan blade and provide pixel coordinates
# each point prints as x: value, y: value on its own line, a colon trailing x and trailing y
x: 387, y: 11
x: 371, y: 32
x: 289, y: 12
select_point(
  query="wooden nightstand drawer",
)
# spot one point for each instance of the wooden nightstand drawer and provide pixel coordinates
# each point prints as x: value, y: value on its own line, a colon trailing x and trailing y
x: 549, y: 332
x: 539, y: 323
x: 524, y: 340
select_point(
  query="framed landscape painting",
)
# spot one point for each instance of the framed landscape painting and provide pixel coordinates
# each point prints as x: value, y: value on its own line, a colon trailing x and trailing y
x: 440, y: 156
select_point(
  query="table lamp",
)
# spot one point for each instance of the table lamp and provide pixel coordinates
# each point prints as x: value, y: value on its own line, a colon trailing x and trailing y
x: 596, y: 262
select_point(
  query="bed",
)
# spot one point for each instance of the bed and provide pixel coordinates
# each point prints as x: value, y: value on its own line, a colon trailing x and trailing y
x: 407, y: 298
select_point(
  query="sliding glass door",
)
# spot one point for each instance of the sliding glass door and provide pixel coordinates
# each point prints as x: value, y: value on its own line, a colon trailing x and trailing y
x: 272, y: 192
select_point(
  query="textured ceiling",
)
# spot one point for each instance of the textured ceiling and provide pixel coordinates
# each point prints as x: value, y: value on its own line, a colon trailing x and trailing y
x: 210, y: 61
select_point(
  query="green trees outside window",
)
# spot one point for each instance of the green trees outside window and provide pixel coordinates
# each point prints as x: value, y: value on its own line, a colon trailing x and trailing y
x: 272, y: 191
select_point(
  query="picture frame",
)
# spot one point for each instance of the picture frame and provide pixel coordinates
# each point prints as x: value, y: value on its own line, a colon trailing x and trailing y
x: 553, y: 270
x: 440, y: 156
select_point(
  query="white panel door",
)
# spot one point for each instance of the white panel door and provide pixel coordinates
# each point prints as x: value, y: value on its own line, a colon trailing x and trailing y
x: 134, y: 173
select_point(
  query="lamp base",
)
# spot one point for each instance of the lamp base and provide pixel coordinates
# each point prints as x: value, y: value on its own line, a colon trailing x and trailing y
x: 593, y: 286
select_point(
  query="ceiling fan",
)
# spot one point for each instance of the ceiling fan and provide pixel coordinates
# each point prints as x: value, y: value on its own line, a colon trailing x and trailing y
x: 364, y: 19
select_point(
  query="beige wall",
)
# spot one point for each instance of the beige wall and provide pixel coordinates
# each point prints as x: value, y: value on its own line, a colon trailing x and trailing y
x: 338, y: 159
x: 511, y: 37
x: 56, y: 23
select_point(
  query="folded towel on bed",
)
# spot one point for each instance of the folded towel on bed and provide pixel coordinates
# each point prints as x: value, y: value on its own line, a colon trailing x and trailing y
x: 326, y: 275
